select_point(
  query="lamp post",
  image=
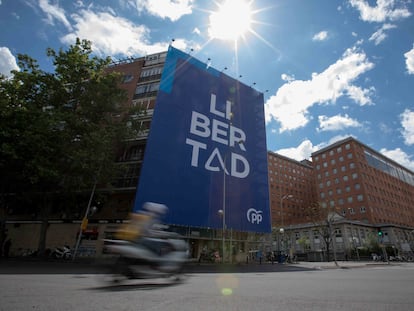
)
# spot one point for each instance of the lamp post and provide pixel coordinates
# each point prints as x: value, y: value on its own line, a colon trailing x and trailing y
x: 222, y: 211
x: 223, y: 242
x: 282, y: 230
x: 84, y: 222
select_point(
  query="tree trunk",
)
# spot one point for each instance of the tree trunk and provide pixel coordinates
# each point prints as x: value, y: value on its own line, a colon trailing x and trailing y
x: 44, y: 212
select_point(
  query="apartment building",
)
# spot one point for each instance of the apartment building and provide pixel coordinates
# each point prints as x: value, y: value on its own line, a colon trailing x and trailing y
x: 363, y: 184
x: 140, y: 79
x: 368, y: 192
x: 291, y: 189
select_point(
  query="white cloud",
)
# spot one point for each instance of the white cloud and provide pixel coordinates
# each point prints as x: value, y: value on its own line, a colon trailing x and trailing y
x: 291, y: 102
x: 112, y: 35
x: 336, y: 123
x: 287, y: 78
x: 7, y: 62
x: 299, y: 153
x: 172, y: 9
x: 361, y: 96
x: 54, y: 12
x: 384, y: 10
x: 380, y: 34
x: 407, y: 122
x: 409, y: 61
x: 321, y: 36
x: 400, y: 157
x: 306, y: 148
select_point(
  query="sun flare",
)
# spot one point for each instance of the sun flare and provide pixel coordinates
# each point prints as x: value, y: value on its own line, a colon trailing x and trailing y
x: 232, y: 20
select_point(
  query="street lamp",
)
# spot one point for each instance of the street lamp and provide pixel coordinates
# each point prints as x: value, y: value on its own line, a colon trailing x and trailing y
x: 89, y: 210
x: 282, y: 230
x: 222, y: 212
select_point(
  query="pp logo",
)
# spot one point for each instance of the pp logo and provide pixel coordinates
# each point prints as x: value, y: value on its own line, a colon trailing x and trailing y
x: 254, y: 216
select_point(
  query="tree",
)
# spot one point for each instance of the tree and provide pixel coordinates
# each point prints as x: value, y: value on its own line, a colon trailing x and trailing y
x: 324, y: 217
x: 58, y: 130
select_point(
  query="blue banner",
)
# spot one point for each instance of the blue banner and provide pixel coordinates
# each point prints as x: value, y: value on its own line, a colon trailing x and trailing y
x: 206, y: 151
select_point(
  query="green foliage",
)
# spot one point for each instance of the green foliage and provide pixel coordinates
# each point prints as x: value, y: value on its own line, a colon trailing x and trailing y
x: 372, y: 244
x: 57, y: 129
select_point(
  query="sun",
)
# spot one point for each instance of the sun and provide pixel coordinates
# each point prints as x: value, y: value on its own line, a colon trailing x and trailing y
x: 232, y: 20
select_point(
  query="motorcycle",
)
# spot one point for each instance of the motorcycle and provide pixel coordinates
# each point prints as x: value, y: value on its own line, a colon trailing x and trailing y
x: 161, y: 255
x: 63, y: 252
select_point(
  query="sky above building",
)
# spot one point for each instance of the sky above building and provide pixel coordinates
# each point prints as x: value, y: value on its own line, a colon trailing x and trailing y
x: 328, y: 69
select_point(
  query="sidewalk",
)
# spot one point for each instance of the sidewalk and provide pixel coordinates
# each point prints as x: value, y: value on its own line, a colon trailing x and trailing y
x: 347, y: 264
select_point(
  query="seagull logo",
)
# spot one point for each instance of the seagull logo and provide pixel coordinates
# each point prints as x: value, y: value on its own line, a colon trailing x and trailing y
x: 254, y: 216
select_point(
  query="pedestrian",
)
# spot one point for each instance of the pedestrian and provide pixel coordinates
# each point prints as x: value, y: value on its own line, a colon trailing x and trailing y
x: 6, y: 248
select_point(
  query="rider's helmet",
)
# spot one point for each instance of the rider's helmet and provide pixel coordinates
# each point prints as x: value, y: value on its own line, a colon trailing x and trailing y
x: 155, y: 208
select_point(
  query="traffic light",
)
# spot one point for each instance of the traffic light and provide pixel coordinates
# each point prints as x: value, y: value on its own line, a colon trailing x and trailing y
x: 379, y: 232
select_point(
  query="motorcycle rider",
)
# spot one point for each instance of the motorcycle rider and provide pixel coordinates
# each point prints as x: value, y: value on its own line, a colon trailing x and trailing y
x: 144, y: 223
x: 146, y: 249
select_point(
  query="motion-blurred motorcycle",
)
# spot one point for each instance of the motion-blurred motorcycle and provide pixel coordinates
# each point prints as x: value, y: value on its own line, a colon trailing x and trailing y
x: 143, y: 249
x: 161, y: 255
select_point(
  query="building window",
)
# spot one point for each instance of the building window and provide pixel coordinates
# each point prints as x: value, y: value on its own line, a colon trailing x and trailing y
x: 354, y: 175
x: 147, y: 88
x: 341, y: 159
x: 127, y: 78
x: 350, y: 199
x: 360, y: 197
x: 345, y: 178
x: 333, y: 162
x: 347, y: 146
x: 338, y: 233
x: 339, y: 149
x: 340, y: 201
x: 357, y: 186
x: 147, y: 72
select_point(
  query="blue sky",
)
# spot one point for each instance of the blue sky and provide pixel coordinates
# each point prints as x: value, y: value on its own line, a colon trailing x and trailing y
x: 328, y: 69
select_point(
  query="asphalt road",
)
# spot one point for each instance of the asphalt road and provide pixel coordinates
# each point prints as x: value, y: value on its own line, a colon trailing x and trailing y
x: 376, y: 288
